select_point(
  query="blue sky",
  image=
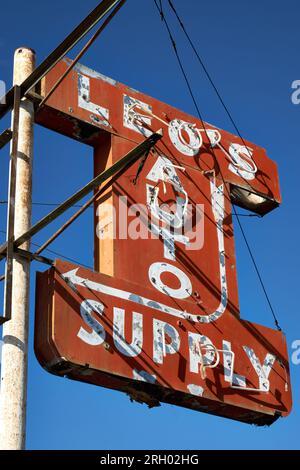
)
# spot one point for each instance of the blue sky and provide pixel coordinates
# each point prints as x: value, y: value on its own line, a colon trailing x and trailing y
x: 250, y: 48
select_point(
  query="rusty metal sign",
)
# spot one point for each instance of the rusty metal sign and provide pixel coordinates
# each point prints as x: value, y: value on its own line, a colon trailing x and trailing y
x: 121, y: 335
x: 160, y: 319
x: 89, y: 104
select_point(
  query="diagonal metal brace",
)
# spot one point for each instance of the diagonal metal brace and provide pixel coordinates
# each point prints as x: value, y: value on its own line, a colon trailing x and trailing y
x: 11, y: 208
x: 123, y: 163
x: 5, y: 137
x: 61, y: 50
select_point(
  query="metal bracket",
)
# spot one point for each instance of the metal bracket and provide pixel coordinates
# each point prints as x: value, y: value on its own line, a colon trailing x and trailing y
x: 61, y: 50
x: 34, y: 257
x: 5, y: 137
x: 120, y: 165
x: 10, y: 248
x: 11, y: 208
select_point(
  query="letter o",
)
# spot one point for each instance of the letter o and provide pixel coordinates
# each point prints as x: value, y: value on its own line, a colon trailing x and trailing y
x: 155, y: 272
x: 191, y: 148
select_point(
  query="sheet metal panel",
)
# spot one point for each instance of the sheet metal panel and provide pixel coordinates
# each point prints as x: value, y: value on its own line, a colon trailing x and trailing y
x: 126, y: 352
x: 88, y: 103
x: 165, y: 324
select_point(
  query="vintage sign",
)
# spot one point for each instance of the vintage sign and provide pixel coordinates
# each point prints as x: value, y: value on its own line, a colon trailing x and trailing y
x: 89, y: 105
x: 160, y: 318
x: 117, y: 334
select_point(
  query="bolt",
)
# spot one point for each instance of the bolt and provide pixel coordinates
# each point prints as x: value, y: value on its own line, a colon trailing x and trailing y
x: 107, y: 346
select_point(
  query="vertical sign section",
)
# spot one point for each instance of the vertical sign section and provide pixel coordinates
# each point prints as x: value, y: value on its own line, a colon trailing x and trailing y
x: 174, y: 232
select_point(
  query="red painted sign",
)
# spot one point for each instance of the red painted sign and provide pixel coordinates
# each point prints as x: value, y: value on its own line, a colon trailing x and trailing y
x: 88, y: 103
x: 164, y: 323
x: 117, y: 334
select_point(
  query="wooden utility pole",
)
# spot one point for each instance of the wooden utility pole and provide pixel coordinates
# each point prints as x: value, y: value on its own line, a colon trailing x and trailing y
x: 13, y: 393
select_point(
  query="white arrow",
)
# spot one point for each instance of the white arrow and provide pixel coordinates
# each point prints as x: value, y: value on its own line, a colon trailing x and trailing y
x: 73, y: 280
x: 218, y: 205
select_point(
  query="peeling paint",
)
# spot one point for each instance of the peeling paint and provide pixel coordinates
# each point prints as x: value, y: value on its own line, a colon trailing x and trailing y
x: 72, y: 277
x: 229, y: 375
x: 173, y: 347
x: 164, y: 170
x: 81, y: 69
x: 99, y: 114
x: 131, y: 117
x: 97, y: 335
x: 161, y: 347
x: 135, y: 347
x: 191, y: 148
x: 242, y: 166
x: 144, y: 376
x: 262, y: 371
x: 155, y: 272
x: 195, y: 390
x: 197, y: 344
x: 136, y: 298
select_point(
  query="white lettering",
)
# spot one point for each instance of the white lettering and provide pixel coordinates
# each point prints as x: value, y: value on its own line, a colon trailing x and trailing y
x: 99, y: 114
x: 201, y: 352
x: 242, y: 163
x: 161, y: 347
x: 262, y: 371
x: 229, y: 374
x: 179, y: 132
x: 135, y: 347
x: 97, y: 335
x: 155, y: 272
x: 133, y: 119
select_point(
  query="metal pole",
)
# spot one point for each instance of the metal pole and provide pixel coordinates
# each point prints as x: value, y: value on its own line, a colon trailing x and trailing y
x: 13, y: 393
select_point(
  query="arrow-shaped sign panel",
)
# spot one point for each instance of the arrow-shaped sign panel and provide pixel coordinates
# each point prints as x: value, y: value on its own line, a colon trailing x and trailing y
x: 113, y: 333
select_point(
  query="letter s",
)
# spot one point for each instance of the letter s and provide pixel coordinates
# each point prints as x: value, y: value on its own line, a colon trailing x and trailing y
x: 97, y: 335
